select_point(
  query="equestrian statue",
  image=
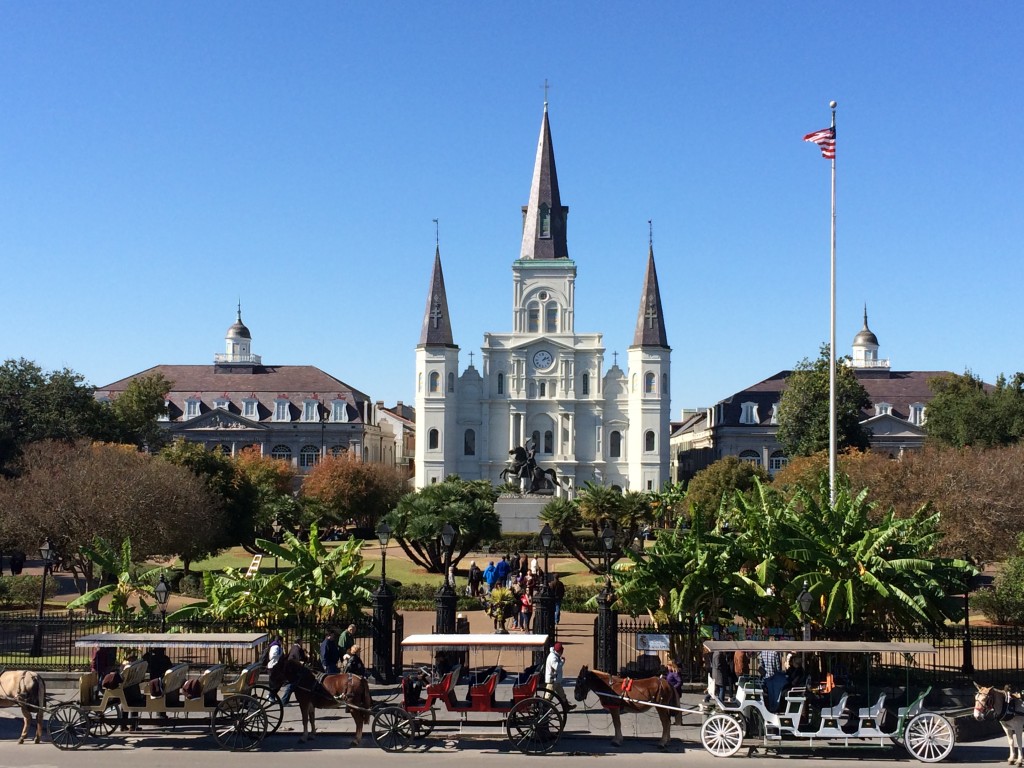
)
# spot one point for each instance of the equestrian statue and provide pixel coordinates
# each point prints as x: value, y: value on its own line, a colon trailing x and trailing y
x: 523, y: 467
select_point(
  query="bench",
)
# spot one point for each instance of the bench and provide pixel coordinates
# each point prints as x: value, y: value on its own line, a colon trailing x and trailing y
x: 210, y: 680
x: 244, y: 682
x: 481, y: 697
x: 444, y: 689
x: 527, y: 689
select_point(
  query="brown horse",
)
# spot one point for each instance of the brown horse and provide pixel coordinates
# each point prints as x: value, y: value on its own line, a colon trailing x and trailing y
x: 625, y: 693
x: 329, y: 692
x: 28, y: 691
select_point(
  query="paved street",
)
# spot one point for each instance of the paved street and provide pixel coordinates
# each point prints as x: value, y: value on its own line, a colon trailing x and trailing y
x: 587, y: 735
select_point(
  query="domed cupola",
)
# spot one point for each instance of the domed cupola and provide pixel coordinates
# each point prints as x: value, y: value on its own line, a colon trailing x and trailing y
x: 865, y: 348
x: 237, y: 345
x: 238, y: 329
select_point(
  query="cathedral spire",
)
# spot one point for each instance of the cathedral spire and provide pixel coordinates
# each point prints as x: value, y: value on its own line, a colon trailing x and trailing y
x: 544, y: 217
x: 650, y: 323
x: 437, y: 327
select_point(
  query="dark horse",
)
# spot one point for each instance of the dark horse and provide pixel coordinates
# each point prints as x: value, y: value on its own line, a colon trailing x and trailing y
x: 28, y: 691
x: 524, y: 468
x: 625, y: 693
x: 329, y: 692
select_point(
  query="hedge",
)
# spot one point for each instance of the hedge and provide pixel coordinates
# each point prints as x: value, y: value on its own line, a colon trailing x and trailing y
x: 23, y: 591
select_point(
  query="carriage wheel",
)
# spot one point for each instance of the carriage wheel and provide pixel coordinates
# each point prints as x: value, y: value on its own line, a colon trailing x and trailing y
x: 424, y: 723
x: 68, y: 727
x: 721, y: 735
x: 104, y: 722
x: 556, y: 702
x: 271, y: 704
x: 929, y: 737
x: 239, y: 723
x: 533, y: 725
x: 393, y: 729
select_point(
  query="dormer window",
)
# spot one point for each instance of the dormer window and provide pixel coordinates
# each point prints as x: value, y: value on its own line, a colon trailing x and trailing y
x: 282, y: 410
x: 883, y: 409
x: 917, y: 417
x: 311, y: 410
x: 250, y: 408
x: 748, y: 414
x: 544, y: 228
x: 165, y: 414
x: 339, y: 411
x: 192, y: 406
x: 223, y: 403
x: 775, y: 413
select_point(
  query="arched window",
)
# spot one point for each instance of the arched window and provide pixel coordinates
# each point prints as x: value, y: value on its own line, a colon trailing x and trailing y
x: 649, y: 441
x: 533, y: 318
x: 549, y: 442
x: 337, y: 450
x: 551, y: 317
x: 451, y: 382
x: 585, y: 388
x: 419, y: 383
x: 751, y: 457
x: 649, y: 380
x: 435, y: 381
x: 281, y: 452
x: 501, y: 383
x: 544, y: 215
x: 309, y: 456
x: 433, y: 439
x: 535, y: 437
x: 469, y: 443
x: 615, y: 445
x: 777, y: 461
x: 633, y: 382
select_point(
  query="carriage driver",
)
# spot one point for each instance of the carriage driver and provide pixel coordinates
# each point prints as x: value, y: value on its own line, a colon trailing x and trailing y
x: 553, y: 675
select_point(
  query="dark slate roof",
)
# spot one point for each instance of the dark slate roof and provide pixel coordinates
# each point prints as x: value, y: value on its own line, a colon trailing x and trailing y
x: 544, y: 191
x: 403, y: 411
x: 437, y: 325
x: 650, y: 322
x: 266, y: 384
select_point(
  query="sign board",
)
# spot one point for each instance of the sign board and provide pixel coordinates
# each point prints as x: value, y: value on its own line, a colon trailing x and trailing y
x: 651, y: 643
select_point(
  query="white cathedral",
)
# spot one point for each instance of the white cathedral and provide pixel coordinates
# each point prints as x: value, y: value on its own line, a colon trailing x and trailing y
x: 544, y: 385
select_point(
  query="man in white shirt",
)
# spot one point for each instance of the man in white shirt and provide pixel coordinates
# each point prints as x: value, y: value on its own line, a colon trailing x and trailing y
x: 553, y: 674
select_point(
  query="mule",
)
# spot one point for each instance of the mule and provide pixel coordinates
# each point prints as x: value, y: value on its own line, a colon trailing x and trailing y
x: 624, y: 693
x: 1008, y: 709
x: 28, y: 691
x: 327, y: 692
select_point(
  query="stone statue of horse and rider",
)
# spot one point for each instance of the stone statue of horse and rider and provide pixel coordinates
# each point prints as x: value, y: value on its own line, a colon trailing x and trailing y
x: 524, y: 469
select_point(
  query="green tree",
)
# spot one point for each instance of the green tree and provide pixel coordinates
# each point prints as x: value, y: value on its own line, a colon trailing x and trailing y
x: 317, y: 584
x: 135, y: 411
x: 803, y: 408
x: 721, y: 480
x: 273, y: 481
x: 37, y: 405
x: 354, y: 490
x: 965, y: 412
x: 417, y: 521
x: 129, y: 585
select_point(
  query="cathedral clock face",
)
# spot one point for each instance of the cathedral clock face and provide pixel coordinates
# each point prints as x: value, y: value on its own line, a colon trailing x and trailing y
x: 542, y: 359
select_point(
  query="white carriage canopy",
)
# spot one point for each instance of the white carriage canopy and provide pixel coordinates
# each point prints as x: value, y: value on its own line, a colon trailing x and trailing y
x: 173, y: 640
x: 467, y: 642
x: 818, y: 646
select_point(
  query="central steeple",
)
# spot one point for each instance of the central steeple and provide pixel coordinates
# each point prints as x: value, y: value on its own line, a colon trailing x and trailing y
x: 544, y: 216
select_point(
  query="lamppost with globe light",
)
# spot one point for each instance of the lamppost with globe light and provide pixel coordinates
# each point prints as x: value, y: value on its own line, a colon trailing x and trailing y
x: 445, y: 599
x: 383, y: 610
x: 276, y: 527
x: 804, y: 601
x: 162, y: 593
x: 544, y: 617
x: 46, y: 553
x: 607, y: 617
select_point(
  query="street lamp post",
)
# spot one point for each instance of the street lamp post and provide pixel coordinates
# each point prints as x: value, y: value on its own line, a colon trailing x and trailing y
x: 162, y: 592
x: 46, y: 553
x: 383, y: 610
x: 607, y: 617
x: 805, y: 599
x: 276, y: 526
x: 544, y: 620
x: 968, y: 666
x: 445, y: 600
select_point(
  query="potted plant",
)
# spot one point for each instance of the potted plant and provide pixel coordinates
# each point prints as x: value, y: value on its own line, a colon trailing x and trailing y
x: 500, y: 605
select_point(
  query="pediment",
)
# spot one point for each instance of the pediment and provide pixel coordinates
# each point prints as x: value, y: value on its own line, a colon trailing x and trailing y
x: 220, y: 419
x: 887, y: 425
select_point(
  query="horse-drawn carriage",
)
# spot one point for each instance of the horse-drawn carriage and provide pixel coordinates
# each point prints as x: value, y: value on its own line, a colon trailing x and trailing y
x: 532, y: 718
x: 804, y: 714
x: 238, y: 713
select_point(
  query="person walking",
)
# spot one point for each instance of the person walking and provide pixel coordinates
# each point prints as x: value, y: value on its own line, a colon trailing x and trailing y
x: 553, y: 675
x: 558, y: 593
x: 723, y: 672
x: 475, y: 577
x: 330, y: 652
x: 298, y: 654
x: 525, y: 610
x: 490, y: 576
x: 347, y: 639
x: 501, y: 571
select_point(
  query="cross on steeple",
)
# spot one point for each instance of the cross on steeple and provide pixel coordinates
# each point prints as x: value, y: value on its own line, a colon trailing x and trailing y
x: 471, y: 359
x: 546, y: 87
x: 615, y: 358
x: 435, y: 313
x: 437, y: 234
x: 652, y: 312
x: 650, y: 233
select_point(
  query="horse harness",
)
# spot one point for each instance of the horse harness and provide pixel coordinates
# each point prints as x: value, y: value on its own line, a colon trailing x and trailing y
x: 1009, y: 708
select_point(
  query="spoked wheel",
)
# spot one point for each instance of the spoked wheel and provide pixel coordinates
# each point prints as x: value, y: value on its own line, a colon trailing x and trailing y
x: 721, y: 735
x: 239, y: 723
x: 68, y: 727
x: 424, y: 723
x: 556, y: 702
x: 393, y: 729
x: 271, y: 704
x: 534, y: 725
x: 929, y: 737
x: 104, y: 722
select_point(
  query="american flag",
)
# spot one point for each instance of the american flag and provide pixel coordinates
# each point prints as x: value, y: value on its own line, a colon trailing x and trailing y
x: 826, y: 139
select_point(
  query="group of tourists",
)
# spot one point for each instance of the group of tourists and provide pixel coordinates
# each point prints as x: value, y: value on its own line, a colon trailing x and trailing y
x: 524, y: 578
x: 339, y: 652
x: 777, y: 672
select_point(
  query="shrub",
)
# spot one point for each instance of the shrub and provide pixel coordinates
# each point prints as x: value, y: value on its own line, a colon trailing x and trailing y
x: 22, y: 591
x: 191, y: 585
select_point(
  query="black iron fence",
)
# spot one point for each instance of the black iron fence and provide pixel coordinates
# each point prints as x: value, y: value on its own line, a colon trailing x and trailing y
x: 60, y: 633
x: 996, y: 655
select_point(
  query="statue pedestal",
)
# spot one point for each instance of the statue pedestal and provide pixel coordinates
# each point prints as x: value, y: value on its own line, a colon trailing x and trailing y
x: 520, y: 514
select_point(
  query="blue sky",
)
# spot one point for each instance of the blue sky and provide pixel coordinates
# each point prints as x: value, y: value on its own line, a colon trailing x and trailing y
x: 159, y: 161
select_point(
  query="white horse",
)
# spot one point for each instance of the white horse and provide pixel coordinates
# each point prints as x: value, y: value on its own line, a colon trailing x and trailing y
x: 1008, y: 709
x: 28, y: 691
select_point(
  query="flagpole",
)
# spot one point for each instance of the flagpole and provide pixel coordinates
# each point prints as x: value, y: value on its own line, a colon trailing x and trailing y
x: 832, y: 342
